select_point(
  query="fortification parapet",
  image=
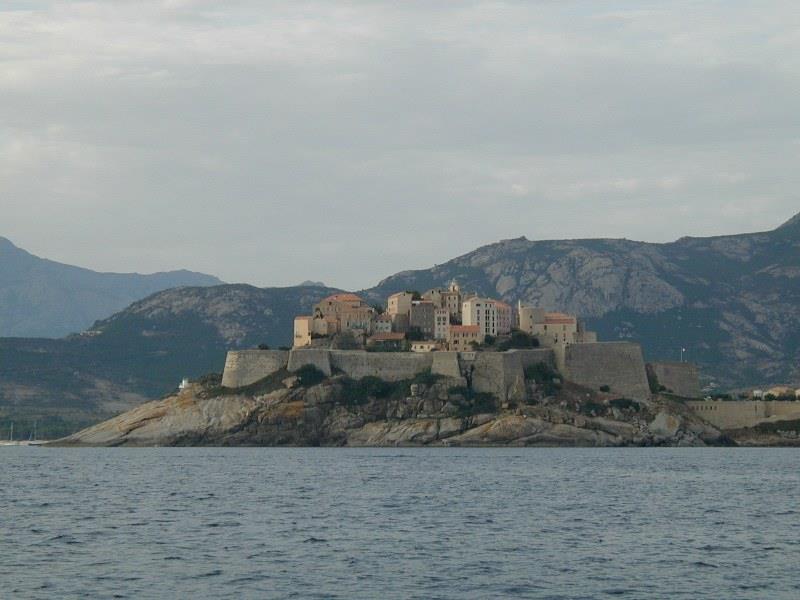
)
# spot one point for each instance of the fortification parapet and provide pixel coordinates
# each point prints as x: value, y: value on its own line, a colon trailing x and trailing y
x: 446, y: 364
x: 619, y: 365
x: 389, y: 366
x: 243, y: 367
x: 682, y: 379
x: 316, y: 357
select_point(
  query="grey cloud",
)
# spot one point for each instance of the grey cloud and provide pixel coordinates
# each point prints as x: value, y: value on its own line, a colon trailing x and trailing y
x: 276, y: 142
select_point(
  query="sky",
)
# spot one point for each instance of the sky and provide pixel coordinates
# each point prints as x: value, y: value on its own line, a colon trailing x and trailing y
x: 276, y: 142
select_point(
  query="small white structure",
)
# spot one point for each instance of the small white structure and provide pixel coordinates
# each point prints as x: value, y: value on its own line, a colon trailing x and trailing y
x: 758, y: 394
x: 184, y: 384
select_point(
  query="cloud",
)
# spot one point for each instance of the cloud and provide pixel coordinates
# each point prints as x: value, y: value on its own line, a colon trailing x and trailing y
x: 273, y: 142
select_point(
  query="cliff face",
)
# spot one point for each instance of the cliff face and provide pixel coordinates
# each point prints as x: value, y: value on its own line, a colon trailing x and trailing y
x: 431, y: 414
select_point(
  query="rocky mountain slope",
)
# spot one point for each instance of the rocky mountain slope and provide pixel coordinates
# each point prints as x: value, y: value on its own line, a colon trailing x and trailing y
x: 43, y: 298
x: 733, y: 301
x: 338, y: 412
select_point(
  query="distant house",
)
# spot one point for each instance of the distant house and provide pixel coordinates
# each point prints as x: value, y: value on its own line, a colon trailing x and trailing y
x: 424, y: 346
x: 463, y: 337
x: 390, y: 339
x: 334, y: 314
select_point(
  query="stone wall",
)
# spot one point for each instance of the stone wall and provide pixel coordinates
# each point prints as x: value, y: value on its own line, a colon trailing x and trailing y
x: 244, y: 367
x: 619, y: 365
x: 745, y: 413
x: 682, y: 379
x: 389, y: 366
x: 446, y: 364
x: 317, y: 357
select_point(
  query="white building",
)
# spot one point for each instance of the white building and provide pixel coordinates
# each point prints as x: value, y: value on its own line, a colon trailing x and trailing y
x: 481, y: 312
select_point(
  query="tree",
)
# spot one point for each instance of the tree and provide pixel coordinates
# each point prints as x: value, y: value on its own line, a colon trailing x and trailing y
x: 263, y: 347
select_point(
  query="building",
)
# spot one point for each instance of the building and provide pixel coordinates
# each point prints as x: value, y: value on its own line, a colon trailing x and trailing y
x: 382, y: 324
x: 463, y: 338
x: 334, y: 314
x: 505, y: 317
x: 394, y: 340
x: 303, y: 328
x: 399, y: 309
x: 553, y: 328
x: 448, y: 298
x: 422, y: 318
x: 481, y: 312
x: 424, y: 346
x: 441, y: 323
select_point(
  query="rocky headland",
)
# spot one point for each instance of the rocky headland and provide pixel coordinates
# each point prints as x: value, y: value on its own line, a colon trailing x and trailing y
x: 306, y: 409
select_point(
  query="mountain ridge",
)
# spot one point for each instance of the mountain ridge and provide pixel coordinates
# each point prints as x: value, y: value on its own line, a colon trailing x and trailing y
x: 45, y: 298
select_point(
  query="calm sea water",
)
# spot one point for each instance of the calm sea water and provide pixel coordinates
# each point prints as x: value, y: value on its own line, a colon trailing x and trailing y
x: 415, y: 523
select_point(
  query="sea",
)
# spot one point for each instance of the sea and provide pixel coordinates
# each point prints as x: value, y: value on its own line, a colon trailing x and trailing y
x: 426, y: 523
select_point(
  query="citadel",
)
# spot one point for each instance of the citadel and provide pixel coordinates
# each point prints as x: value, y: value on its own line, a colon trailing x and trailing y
x: 487, y: 344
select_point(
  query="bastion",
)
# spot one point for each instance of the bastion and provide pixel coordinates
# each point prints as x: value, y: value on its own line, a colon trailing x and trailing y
x: 744, y: 413
x: 679, y: 378
x: 502, y: 374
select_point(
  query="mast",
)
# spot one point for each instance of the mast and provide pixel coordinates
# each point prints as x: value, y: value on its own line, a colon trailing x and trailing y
x: 11, y: 435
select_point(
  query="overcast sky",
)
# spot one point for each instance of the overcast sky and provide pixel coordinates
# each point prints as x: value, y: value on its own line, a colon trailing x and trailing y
x: 272, y: 142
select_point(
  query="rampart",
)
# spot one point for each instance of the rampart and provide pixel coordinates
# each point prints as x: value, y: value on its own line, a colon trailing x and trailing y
x: 389, y: 366
x: 316, y: 357
x: 619, y: 365
x: 499, y: 373
x: 681, y: 379
x: 243, y: 367
x: 744, y: 413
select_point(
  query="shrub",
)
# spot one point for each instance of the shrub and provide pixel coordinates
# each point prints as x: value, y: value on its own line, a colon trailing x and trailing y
x: 309, y: 375
x: 605, y: 388
x: 625, y: 403
x: 426, y: 378
x: 587, y: 408
x: 544, y: 375
x: 519, y: 340
x: 263, y: 346
x: 359, y: 391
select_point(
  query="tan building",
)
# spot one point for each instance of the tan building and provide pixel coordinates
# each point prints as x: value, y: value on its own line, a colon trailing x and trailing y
x: 424, y: 346
x: 399, y: 309
x: 552, y: 328
x: 303, y: 328
x: 449, y: 298
x: 481, y: 312
x: 392, y: 339
x: 462, y: 338
x: 334, y: 314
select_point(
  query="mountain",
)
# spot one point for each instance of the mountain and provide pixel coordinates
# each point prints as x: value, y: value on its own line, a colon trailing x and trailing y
x: 43, y: 298
x: 733, y: 302
x: 140, y: 353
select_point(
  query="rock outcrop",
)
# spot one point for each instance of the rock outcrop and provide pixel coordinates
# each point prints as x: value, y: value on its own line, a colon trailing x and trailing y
x: 435, y: 413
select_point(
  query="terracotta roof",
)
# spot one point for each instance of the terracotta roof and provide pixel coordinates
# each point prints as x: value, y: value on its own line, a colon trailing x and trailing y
x: 502, y: 304
x: 465, y: 328
x: 344, y: 297
x: 555, y: 318
x: 388, y: 337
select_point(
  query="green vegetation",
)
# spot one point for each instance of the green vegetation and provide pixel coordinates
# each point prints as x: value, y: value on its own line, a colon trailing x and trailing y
x: 545, y: 376
x: 605, y: 388
x: 309, y: 375
x: 519, y: 340
x: 652, y: 380
x: 591, y: 408
x: 625, y: 404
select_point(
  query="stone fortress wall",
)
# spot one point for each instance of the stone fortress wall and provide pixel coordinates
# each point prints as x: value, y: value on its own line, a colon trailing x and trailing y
x: 244, y: 367
x: 744, y: 413
x: 499, y: 373
x: 619, y: 365
x: 681, y: 379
